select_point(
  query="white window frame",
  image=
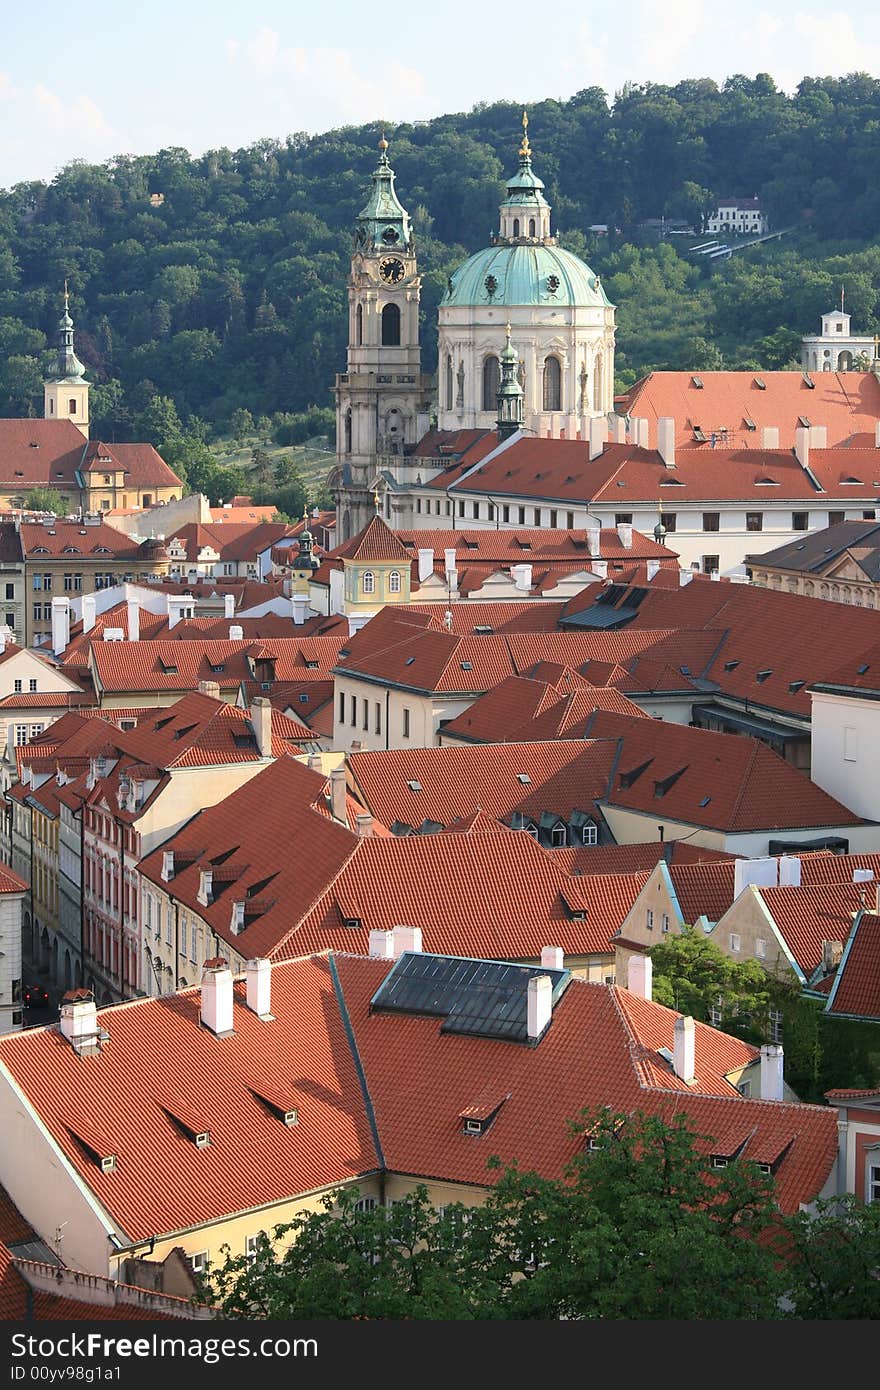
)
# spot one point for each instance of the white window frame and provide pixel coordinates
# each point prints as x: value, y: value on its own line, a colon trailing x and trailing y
x: 198, y: 1262
x: 872, y: 1175
x: 394, y: 582
x: 735, y: 942
x: 368, y: 582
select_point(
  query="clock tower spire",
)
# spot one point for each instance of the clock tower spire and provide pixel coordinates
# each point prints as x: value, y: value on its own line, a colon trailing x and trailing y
x: 383, y: 398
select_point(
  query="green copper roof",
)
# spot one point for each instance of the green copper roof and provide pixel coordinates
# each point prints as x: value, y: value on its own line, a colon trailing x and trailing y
x: 507, y: 275
x: 384, y: 221
x: 67, y: 365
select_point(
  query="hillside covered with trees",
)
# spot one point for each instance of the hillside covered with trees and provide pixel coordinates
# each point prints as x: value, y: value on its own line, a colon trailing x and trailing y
x: 205, y: 286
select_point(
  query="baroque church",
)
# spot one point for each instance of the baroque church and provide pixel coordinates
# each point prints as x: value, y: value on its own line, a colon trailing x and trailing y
x: 525, y: 343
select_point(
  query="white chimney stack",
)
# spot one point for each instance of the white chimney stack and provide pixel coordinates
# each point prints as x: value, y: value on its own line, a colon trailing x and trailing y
x: 216, y: 1011
x: 261, y: 720
x: 683, y: 1049
x: 316, y: 762
x: 651, y: 569
x: 594, y: 540
x: 863, y: 876
x: 771, y: 1071
x: 552, y: 957
x: 364, y: 824
x: 426, y: 565
x: 133, y: 617
x: 339, y: 795
x: 877, y: 899
x: 79, y: 1020
x: 802, y: 445
x: 406, y: 939
x: 210, y: 688
x: 625, y: 532
x: 640, y: 976
x: 598, y: 435
x: 600, y: 568
x: 684, y: 577
x: 449, y: 560
x: 381, y: 945
x: 167, y: 865
x: 522, y: 577
x: 88, y: 612
x: 452, y: 582
x: 666, y: 440
x: 229, y: 605
x: 770, y: 437
x: 819, y: 436
x: 877, y: 435
x: 299, y: 605
x: 539, y: 1009
x: 258, y: 974
x: 60, y: 624
x: 789, y: 870
x: 618, y: 429
x: 236, y: 633
x: 638, y: 429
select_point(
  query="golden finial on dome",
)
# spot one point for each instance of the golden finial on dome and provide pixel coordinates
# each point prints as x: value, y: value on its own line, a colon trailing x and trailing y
x: 66, y: 295
x: 525, y: 148
x: 383, y: 143
x: 377, y: 501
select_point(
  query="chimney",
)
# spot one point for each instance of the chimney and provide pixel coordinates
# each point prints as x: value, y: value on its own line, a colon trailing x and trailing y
x: 176, y: 605
x: 877, y: 899
x: 683, y: 1050
x: 261, y: 722
x: 88, y: 612
x: 338, y: 795
x: 651, y: 569
x: 771, y: 1071
x: 364, y: 826
x: 819, y: 436
x: 598, y: 435
x: 640, y: 976
x: 594, y: 540
x: 877, y: 435
x: 802, y: 446
x: 79, y: 1020
x: 716, y: 575
x: 316, y: 762
x: 205, y: 894
x: 133, y: 615
x: 406, y: 939
x: 381, y: 945
x: 60, y: 624
x: 789, y: 870
x: 452, y: 581
x: 426, y: 565
x: 832, y: 951
x: 625, y: 532
x: 638, y: 429
x: 666, y: 440
x: 167, y: 865
x: 684, y: 577
x: 552, y: 957
x: 299, y: 604
x: 863, y: 876
x: 600, y: 568
x: 229, y: 605
x: 522, y: 577
x: 216, y: 1012
x: 210, y: 688
x: 258, y: 974
x: 539, y: 1008
x: 770, y: 437
x: 236, y: 633
x: 618, y: 429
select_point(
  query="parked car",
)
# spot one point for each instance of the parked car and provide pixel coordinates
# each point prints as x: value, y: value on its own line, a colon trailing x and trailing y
x: 35, y: 997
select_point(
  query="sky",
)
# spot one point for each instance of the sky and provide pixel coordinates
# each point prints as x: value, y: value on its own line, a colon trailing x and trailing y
x: 90, y: 81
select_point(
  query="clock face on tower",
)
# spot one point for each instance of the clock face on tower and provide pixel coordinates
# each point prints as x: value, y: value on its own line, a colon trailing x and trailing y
x: 392, y: 270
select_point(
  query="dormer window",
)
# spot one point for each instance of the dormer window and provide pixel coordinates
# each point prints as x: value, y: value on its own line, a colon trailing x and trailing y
x: 206, y: 886
x: 167, y: 865
x: 237, y: 924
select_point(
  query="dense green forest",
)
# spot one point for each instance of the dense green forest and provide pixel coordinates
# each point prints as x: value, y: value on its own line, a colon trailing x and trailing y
x: 228, y: 291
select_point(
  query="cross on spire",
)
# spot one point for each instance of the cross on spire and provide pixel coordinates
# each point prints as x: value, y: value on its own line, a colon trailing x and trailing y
x: 66, y: 295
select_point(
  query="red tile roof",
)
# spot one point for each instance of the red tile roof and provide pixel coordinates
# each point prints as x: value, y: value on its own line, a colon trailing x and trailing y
x: 845, y: 402
x: 856, y: 989
x: 179, y: 665
x: 39, y: 453
x: 807, y: 916
x: 532, y: 546
x: 376, y: 542
x: 72, y: 539
x: 510, y: 616
x: 232, y: 542
x: 627, y: 859
x: 142, y: 465
x: 10, y: 881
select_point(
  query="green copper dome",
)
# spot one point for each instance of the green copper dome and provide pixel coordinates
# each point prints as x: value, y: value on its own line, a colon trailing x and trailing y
x: 384, y: 221
x: 510, y: 275
x: 67, y: 365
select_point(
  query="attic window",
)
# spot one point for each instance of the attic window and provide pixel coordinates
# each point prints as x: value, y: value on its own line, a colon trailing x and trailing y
x: 731, y: 665
x: 808, y: 381
x: 414, y: 786
x: 662, y: 786
x: 168, y: 669
x: 862, y: 669
x: 219, y: 668
x: 760, y: 383
x: 312, y: 665
x: 699, y: 436
x: 484, y: 628
x: 353, y: 923
x: 409, y: 661
x: 467, y: 665
x: 698, y: 382
x: 762, y: 676
x: 705, y: 801
x: 796, y: 685
x: 766, y: 482
x: 845, y: 482
x: 628, y: 778
x: 523, y: 777
x: 749, y: 423
x: 804, y: 422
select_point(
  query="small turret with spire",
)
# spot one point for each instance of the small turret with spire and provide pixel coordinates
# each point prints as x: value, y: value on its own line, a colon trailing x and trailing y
x: 510, y: 393
x: 66, y: 392
x: 525, y: 213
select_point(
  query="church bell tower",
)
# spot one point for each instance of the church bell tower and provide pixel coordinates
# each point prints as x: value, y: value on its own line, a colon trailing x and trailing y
x: 383, y: 398
x: 66, y: 393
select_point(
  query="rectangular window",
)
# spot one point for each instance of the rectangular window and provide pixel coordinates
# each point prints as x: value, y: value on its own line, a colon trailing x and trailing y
x: 775, y: 1025
x: 21, y: 734
x: 10, y: 620
x: 406, y: 723
x: 870, y: 514
x: 354, y: 711
x: 378, y: 724
x: 835, y: 518
x: 47, y: 612
x: 872, y: 1186
x: 760, y: 947
x: 505, y: 513
x: 734, y: 941
x: 711, y: 521
x: 68, y: 583
x: 491, y: 506
x: 32, y: 685
x: 475, y: 510
x: 710, y: 564
x: 250, y: 1249
x: 461, y: 509
x: 553, y: 516
x: 366, y: 716
x: 167, y: 923
x: 342, y: 706
x: 670, y: 521
x: 800, y: 521
x: 569, y: 521
x: 419, y: 505
x: 198, y: 1263
x: 521, y: 511
x: 850, y: 745
x: 38, y: 608
x: 623, y: 518
x: 716, y: 1014
x: 10, y: 592
x: 38, y: 581
x: 649, y: 919
x: 77, y: 582
x: 17, y: 687
x: 754, y: 521
x: 665, y: 922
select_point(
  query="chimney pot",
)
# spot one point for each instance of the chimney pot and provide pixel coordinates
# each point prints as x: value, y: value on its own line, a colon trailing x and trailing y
x: 666, y: 440
x: 640, y: 976
x: 299, y: 604
x: 598, y: 435
x: 618, y: 429
x: 600, y: 568
x: 236, y: 633
x: 364, y: 826
x: 88, y: 612
x: 229, y: 605
x: 338, y: 795
x: 877, y: 435
x: 770, y: 437
x: 258, y: 975
x: 216, y: 1009
x: 594, y: 541
x: 625, y: 534
x: 552, y: 957
x: 652, y: 569
x: 539, y: 1008
x: 60, y: 624
x: 406, y: 939
x: 426, y: 565
x: 133, y: 616
x: 802, y: 445
x: 210, y: 688
x: 684, y: 577
x: 382, y: 945
x: 79, y: 1020
x: 683, y: 1049
x: 772, y: 1067
x: 261, y: 721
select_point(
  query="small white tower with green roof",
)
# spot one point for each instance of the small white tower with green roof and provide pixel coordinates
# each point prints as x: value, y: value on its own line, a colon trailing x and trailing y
x: 66, y: 392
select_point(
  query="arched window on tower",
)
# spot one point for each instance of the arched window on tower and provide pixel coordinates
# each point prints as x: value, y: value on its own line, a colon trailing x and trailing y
x: 394, y: 582
x: 516, y: 226
x: 359, y: 326
x: 449, y: 397
x: 552, y: 384
x: 531, y: 226
x: 71, y: 405
x: 369, y: 582
x: 348, y: 431
x: 491, y: 382
x: 391, y: 326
